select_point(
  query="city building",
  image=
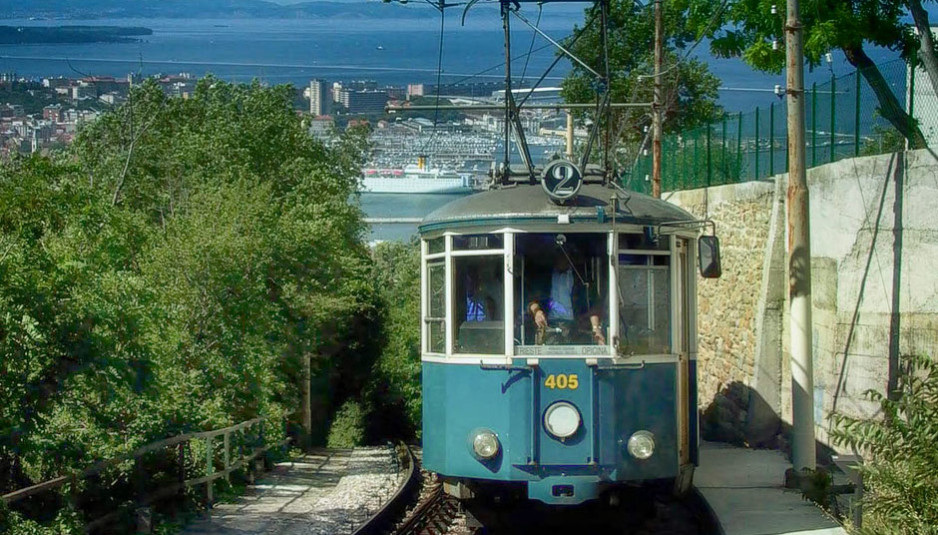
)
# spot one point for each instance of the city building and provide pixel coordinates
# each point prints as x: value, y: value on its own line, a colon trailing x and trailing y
x: 477, y: 90
x: 322, y: 127
x: 52, y: 113
x: 363, y: 101
x: 57, y: 82
x: 319, y: 98
x: 336, y: 90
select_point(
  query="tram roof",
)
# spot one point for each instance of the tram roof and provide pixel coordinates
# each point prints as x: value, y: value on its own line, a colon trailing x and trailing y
x: 530, y: 203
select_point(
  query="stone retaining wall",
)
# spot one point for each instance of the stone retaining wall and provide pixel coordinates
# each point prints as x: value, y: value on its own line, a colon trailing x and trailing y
x: 865, y: 314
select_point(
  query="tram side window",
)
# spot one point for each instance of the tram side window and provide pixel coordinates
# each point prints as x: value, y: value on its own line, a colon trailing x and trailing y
x: 566, y: 277
x: 479, y: 305
x: 644, y: 304
x: 436, y: 307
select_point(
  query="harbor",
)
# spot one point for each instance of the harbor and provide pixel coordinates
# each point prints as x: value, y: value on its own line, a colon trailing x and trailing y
x: 419, y: 156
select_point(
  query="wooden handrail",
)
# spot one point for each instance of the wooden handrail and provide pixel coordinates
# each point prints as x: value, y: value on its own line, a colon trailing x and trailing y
x: 165, y: 443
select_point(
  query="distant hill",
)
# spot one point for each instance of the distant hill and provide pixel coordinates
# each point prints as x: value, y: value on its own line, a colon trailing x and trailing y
x: 18, y: 35
x: 221, y: 9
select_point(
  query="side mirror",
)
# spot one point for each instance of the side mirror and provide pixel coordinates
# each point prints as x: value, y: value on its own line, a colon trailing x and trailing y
x: 708, y: 254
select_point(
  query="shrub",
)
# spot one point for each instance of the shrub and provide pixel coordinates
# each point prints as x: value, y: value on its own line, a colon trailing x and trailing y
x: 348, y: 426
x: 900, y: 469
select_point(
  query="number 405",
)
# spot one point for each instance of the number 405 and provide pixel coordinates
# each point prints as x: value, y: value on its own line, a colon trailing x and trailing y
x: 562, y: 382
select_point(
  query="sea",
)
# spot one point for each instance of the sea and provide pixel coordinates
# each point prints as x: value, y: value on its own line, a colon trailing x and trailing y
x: 395, y: 51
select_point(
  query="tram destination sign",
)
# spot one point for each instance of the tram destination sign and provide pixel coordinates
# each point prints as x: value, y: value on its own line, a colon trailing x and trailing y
x: 580, y: 351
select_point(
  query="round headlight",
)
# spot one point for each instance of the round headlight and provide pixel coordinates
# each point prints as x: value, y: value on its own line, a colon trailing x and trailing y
x: 562, y: 419
x: 642, y: 445
x: 485, y: 444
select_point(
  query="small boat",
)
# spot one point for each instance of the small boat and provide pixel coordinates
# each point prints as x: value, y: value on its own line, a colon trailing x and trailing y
x: 379, y: 47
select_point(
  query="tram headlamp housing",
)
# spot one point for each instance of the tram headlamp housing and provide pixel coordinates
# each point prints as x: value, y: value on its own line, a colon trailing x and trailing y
x: 641, y: 445
x: 562, y: 420
x: 485, y: 444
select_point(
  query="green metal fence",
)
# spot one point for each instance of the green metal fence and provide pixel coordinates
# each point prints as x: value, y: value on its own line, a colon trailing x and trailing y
x: 842, y: 118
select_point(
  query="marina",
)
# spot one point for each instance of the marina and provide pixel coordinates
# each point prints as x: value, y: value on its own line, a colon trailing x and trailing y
x: 450, y: 157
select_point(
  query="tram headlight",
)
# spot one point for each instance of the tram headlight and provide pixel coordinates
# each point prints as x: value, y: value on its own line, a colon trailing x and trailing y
x: 641, y: 444
x: 561, y: 419
x: 485, y: 444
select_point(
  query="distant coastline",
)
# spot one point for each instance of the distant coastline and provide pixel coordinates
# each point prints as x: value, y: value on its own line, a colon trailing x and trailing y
x: 21, y: 35
x: 208, y: 9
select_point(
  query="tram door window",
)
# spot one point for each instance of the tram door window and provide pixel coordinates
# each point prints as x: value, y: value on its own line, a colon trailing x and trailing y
x: 566, y: 277
x: 436, y: 306
x: 479, y: 303
x: 644, y: 286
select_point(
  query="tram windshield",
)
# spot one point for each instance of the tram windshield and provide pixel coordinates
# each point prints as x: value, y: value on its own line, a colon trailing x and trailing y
x: 560, y: 296
x: 561, y: 283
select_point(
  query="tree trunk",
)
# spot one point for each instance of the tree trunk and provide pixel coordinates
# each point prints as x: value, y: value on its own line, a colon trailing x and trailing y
x: 306, y: 407
x: 889, y: 105
x: 927, y: 50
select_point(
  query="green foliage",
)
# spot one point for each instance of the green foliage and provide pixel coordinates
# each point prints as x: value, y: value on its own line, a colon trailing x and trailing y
x: 689, y: 89
x: 66, y: 522
x: 749, y: 29
x: 170, y: 272
x: 397, y: 276
x: 442, y: 115
x: 900, y: 468
x: 883, y: 140
x: 348, y: 426
x: 31, y: 95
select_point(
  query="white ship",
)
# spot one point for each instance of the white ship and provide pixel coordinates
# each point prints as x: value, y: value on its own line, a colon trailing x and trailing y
x: 415, y: 179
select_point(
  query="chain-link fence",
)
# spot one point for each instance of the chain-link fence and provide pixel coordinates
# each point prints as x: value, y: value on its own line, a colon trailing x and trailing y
x: 846, y: 117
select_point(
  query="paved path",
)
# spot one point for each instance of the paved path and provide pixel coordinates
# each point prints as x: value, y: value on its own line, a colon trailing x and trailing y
x: 745, y: 488
x: 298, y: 497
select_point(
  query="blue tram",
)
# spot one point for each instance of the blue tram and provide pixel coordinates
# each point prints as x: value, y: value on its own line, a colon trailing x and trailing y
x: 559, y: 341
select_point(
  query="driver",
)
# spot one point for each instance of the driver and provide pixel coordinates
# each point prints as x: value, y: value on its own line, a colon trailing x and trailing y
x: 556, y: 313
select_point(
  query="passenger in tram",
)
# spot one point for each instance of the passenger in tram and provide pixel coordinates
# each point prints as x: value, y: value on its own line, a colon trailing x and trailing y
x: 479, y: 306
x: 563, y: 302
x: 482, y: 289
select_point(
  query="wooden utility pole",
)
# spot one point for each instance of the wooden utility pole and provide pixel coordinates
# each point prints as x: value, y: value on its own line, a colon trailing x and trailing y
x: 569, y: 136
x: 656, y: 105
x: 799, y: 252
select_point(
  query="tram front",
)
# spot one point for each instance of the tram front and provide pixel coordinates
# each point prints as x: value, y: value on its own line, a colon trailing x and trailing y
x: 559, y: 343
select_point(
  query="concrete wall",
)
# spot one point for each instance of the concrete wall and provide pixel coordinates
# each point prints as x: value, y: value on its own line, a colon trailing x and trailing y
x: 867, y: 216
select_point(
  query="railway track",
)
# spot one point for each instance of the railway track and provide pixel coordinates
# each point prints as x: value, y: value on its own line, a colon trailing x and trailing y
x: 420, y: 507
x: 434, y: 514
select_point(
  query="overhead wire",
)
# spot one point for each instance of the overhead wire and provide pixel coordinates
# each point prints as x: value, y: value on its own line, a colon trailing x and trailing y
x: 439, y: 73
x: 524, y: 71
x: 483, y: 72
x: 700, y: 38
x: 576, y: 37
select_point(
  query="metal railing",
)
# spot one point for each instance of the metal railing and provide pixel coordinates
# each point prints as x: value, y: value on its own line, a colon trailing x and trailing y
x: 247, y: 440
x: 842, y: 119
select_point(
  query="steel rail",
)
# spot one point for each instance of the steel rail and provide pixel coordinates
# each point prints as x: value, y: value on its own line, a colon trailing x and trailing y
x: 424, y: 514
x: 381, y: 520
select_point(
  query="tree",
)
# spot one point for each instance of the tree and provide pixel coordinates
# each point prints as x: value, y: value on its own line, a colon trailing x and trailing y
x: 397, y: 275
x: 71, y: 355
x: 690, y: 90
x: 748, y: 30
x: 170, y: 272
x: 927, y: 53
